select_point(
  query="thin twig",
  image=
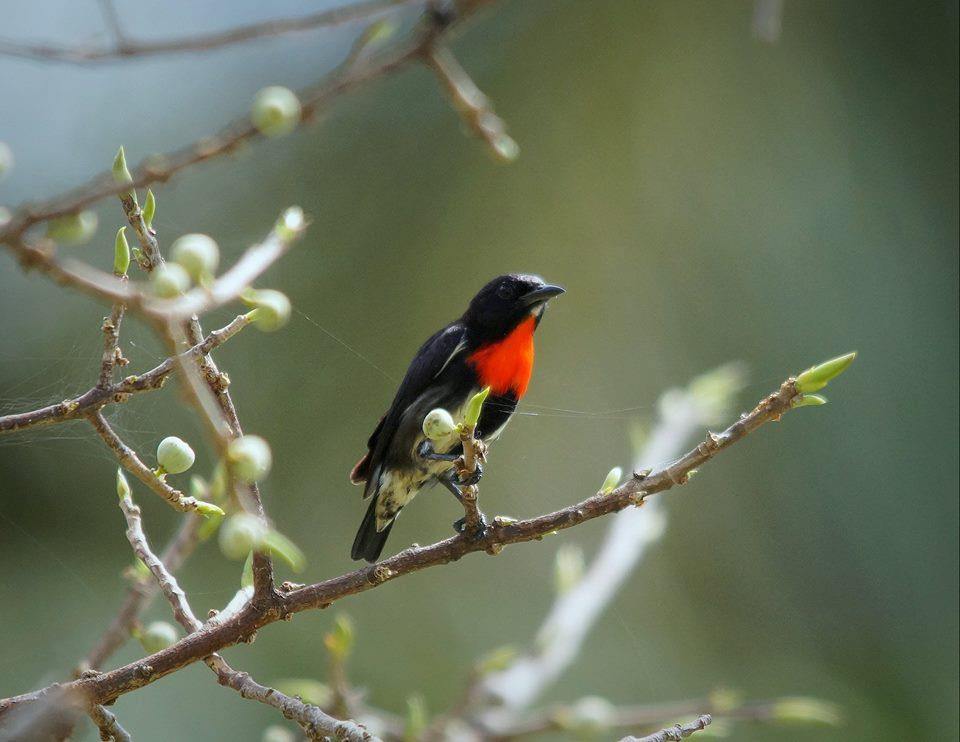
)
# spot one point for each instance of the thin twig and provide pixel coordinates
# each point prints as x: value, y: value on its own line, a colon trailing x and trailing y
x: 678, y: 732
x: 111, y: 352
x: 108, y: 725
x: 126, y: 48
x: 97, y: 397
x: 212, y: 638
x: 131, y: 462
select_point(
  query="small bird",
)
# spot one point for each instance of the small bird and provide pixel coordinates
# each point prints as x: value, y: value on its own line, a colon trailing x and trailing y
x: 491, y: 345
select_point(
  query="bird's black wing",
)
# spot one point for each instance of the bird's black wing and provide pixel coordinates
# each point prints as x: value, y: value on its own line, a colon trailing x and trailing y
x: 430, y: 360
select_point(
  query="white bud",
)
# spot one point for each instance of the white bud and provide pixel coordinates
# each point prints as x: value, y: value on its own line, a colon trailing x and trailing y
x: 169, y: 280
x: 240, y: 534
x: 123, y: 486
x: 438, y: 424
x: 197, y: 253
x: 174, y: 455
x: 250, y: 458
x: 158, y: 635
x: 276, y: 111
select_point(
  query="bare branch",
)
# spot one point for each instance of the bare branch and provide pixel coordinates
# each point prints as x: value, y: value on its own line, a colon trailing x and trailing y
x: 97, y: 397
x: 108, y: 725
x: 212, y: 638
x: 678, y: 732
x: 125, y: 48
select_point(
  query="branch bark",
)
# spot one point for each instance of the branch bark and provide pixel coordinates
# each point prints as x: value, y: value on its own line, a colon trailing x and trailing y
x: 110, y: 685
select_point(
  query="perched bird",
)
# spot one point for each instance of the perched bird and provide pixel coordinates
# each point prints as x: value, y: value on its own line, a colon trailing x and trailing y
x: 491, y: 345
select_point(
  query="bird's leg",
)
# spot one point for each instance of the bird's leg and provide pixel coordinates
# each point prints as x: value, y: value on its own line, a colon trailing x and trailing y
x: 475, y: 520
x: 447, y: 481
x: 425, y: 451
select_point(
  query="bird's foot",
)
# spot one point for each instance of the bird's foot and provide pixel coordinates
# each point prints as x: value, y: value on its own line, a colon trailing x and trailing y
x: 425, y: 451
x: 477, y: 532
x: 465, y: 479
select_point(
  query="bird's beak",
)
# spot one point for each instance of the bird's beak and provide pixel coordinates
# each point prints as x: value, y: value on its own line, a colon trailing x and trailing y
x: 542, y: 294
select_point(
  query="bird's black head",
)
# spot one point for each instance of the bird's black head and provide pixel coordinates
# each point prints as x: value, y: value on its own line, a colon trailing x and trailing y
x: 505, y: 302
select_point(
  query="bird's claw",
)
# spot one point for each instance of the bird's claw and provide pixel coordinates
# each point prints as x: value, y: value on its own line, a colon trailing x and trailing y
x: 465, y: 480
x: 460, y: 526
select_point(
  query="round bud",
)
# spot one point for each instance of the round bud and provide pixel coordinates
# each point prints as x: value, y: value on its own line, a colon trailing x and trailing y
x: 276, y: 111
x: 174, y: 455
x: 240, y: 534
x: 169, y: 280
x: 438, y: 424
x: 271, y: 309
x: 158, y: 635
x: 249, y: 457
x: 6, y: 158
x: 73, y: 229
x: 197, y: 253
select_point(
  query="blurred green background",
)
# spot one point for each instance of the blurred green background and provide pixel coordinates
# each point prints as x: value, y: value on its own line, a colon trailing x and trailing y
x: 703, y: 196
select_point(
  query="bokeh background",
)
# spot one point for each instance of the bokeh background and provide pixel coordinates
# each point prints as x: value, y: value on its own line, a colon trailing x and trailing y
x: 704, y: 196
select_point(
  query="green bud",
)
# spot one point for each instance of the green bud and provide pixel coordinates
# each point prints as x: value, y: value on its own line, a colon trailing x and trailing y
x: 277, y: 733
x: 417, y: 718
x: 438, y: 424
x: 613, y: 479
x: 197, y: 253
x: 379, y: 31
x: 308, y: 689
x: 121, y: 253
x: 497, y: 660
x: 175, y: 456
x: 5, y: 216
x: 804, y: 710
x: 208, y: 509
x: 568, y: 568
x: 339, y: 641
x: 472, y: 412
x: 123, y: 486
x: 271, y: 309
x: 281, y: 546
x: 158, y: 635
x: 73, y: 229
x: 169, y: 280
x: 276, y: 111
x: 505, y: 148
x: 808, y: 400
x: 817, y: 377
x: 199, y: 488
x: 249, y: 458
x: 121, y: 173
x: 291, y: 223
x: 240, y: 534
x: 209, y: 527
x: 149, y: 209
x: 6, y: 159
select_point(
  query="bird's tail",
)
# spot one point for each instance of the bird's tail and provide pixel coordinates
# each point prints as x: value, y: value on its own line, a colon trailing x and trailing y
x: 369, y: 541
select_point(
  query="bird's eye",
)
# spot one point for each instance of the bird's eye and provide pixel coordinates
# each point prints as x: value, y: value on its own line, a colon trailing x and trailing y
x: 505, y: 291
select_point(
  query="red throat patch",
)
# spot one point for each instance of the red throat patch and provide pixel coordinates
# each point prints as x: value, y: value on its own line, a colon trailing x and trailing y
x: 505, y: 366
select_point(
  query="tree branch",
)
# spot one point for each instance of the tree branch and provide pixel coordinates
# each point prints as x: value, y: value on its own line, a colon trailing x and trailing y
x: 98, y: 397
x: 125, y: 48
x: 212, y: 638
x: 108, y: 725
x: 678, y: 732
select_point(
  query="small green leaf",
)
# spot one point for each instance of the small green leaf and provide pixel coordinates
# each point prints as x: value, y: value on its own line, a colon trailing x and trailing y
x: 497, y: 660
x: 805, y: 710
x: 808, y: 400
x: 472, y: 412
x: 417, y: 718
x: 149, y: 209
x: 246, y: 577
x: 281, y: 546
x: 339, y: 641
x: 208, y: 509
x: 121, y: 173
x: 123, y: 486
x: 121, y: 253
x: 817, y: 377
x: 613, y: 479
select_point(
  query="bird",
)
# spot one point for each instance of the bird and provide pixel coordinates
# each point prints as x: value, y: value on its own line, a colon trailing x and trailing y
x: 489, y: 345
